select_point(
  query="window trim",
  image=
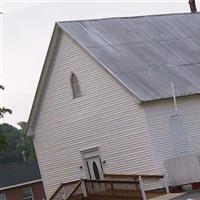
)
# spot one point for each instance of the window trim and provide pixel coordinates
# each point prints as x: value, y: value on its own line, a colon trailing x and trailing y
x: 31, y: 191
x: 75, y: 86
x: 4, y: 195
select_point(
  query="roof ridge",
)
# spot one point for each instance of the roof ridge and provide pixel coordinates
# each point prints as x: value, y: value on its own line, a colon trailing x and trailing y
x: 128, y: 17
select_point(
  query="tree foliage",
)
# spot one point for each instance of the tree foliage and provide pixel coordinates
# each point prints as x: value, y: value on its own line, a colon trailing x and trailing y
x: 16, y: 143
x: 25, y: 143
x: 15, y: 146
x: 3, y: 111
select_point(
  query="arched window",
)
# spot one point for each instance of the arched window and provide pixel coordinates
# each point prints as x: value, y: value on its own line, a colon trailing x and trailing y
x: 75, y: 86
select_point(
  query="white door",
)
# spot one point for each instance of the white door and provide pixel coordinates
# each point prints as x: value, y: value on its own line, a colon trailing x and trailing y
x: 94, y: 167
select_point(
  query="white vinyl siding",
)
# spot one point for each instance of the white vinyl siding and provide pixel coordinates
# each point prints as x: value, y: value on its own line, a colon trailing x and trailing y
x: 105, y: 116
x: 171, y: 135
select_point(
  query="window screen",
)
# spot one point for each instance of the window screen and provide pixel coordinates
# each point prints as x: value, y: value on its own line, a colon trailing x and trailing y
x: 27, y: 194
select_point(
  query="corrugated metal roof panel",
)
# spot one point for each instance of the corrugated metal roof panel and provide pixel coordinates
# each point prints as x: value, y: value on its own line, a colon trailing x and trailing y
x: 145, y: 53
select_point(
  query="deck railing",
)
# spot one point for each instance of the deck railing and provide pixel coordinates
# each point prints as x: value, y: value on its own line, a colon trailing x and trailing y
x: 77, y: 193
x: 131, y: 176
x: 64, y: 190
x: 99, y: 190
x: 115, y: 186
x: 141, y: 177
x: 113, y: 189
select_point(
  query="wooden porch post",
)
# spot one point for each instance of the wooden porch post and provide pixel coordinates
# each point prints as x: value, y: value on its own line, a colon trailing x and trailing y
x: 84, y: 188
x: 166, y: 184
x: 142, y: 188
x: 63, y: 194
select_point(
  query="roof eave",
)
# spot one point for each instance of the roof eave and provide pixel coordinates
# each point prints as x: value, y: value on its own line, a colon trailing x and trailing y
x: 29, y: 131
x: 20, y: 184
x: 126, y: 17
x: 170, y: 97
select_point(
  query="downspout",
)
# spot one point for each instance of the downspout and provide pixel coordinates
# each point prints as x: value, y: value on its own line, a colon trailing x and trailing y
x: 174, y: 98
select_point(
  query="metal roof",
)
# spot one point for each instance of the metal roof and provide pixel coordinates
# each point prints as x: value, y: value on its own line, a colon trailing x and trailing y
x: 145, y: 53
x: 18, y: 173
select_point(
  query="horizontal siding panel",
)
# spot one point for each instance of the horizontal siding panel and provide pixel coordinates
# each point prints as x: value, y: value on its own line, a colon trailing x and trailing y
x: 173, y: 136
x: 106, y: 116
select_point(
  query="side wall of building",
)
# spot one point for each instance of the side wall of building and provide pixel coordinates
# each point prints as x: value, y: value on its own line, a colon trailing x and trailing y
x: 173, y: 135
x: 105, y: 116
x: 16, y: 193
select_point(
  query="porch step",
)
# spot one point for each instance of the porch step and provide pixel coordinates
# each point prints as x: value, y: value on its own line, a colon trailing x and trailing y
x: 168, y: 196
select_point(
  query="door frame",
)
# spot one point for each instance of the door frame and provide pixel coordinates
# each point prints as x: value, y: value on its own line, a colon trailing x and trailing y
x: 90, y: 153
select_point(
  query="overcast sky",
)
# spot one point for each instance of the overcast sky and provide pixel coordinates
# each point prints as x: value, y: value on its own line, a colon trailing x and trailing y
x: 26, y: 28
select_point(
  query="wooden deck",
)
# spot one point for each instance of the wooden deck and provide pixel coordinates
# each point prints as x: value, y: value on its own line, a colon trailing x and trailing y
x: 168, y: 196
x: 113, y: 187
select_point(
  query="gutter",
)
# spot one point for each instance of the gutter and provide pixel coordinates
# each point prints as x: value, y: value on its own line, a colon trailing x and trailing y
x: 21, y: 184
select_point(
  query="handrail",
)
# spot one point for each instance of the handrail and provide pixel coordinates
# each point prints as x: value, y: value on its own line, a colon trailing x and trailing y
x: 140, y: 177
x: 68, y: 190
x: 57, y: 190
x: 74, y: 190
x: 60, y: 187
x: 111, y: 181
x: 153, y: 176
x: 135, y: 176
x: 111, y: 188
x: 70, y: 183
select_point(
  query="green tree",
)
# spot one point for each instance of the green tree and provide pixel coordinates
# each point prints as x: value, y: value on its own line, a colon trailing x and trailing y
x: 2, y: 142
x: 11, y: 137
x: 26, y: 143
x: 17, y: 143
x: 3, y: 111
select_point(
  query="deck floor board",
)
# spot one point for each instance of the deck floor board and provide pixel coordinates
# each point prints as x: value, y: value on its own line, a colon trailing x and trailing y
x: 169, y: 196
